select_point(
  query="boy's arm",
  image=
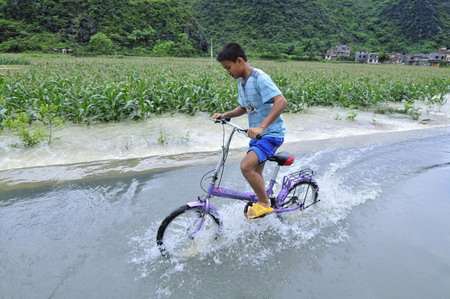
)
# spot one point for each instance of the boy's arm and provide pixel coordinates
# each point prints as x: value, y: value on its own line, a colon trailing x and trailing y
x: 238, y: 111
x: 279, y: 103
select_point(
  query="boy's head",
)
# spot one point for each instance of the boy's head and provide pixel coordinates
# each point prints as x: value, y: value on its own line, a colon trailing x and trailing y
x: 233, y: 59
x: 231, y: 52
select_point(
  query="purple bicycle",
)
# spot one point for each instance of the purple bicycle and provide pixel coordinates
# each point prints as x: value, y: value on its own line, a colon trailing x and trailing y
x: 197, y: 224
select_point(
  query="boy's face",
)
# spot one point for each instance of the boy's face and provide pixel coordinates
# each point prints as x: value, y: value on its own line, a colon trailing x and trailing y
x: 234, y: 69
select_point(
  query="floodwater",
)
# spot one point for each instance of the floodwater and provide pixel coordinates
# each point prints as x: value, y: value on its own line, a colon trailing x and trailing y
x: 81, y: 221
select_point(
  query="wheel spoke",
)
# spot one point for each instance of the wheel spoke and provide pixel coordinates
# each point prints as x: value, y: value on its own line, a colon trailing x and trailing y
x: 303, y: 195
x: 182, y: 235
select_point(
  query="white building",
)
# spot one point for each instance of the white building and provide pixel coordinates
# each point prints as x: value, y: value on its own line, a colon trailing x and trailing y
x: 341, y: 50
x: 366, y: 57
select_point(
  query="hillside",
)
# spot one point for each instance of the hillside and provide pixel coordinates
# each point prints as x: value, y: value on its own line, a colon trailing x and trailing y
x: 305, y: 27
x: 186, y: 27
x: 420, y: 20
x: 132, y: 25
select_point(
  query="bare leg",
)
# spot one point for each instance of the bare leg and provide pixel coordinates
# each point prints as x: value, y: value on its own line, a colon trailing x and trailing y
x: 252, y: 171
x: 260, y: 168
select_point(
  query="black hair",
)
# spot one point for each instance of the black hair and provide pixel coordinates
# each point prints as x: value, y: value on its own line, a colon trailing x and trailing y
x: 231, y: 52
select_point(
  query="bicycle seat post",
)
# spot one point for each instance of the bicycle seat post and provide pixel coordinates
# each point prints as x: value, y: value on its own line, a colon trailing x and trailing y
x: 275, y: 173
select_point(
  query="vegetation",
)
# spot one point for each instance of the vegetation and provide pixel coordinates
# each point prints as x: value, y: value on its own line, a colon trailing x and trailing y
x: 132, y: 27
x: 20, y: 125
x: 29, y: 133
x: 34, y: 103
x: 88, y: 90
x: 310, y: 27
x: 4, y: 60
x: 299, y: 29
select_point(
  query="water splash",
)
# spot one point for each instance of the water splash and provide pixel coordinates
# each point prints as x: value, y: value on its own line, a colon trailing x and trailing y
x: 246, y: 243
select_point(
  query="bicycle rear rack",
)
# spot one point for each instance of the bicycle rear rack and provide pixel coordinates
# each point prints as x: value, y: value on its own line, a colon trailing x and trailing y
x: 289, y: 180
x: 304, y: 173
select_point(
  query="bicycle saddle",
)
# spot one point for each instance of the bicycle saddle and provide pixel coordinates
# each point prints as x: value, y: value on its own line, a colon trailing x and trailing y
x: 282, y: 158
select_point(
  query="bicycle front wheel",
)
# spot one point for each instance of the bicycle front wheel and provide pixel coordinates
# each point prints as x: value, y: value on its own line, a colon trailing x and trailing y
x: 181, y: 234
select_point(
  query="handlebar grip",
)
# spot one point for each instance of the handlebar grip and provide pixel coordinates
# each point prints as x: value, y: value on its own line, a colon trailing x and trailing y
x: 222, y: 120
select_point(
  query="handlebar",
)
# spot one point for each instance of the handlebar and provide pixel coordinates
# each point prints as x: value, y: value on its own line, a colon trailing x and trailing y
x: 226, y: 121
x: 221, y: 120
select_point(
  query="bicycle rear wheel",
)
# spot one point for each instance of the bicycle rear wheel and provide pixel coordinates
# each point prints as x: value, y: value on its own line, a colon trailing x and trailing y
x: 178, y: 235
x: 302, y: 195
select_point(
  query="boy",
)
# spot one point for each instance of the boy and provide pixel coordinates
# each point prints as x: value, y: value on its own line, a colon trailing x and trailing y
x: 261, y: 99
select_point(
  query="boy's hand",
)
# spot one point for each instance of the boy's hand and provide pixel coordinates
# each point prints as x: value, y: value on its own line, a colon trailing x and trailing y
x: 253, y: 132
x: 218, y: 115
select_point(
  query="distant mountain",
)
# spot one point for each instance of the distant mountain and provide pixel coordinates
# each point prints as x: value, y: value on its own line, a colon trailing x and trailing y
x: 186, y: 27
x: 420, y: 20
x: 312, y: 26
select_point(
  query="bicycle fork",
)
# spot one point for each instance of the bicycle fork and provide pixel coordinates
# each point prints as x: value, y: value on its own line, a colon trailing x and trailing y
x: 207, y: 208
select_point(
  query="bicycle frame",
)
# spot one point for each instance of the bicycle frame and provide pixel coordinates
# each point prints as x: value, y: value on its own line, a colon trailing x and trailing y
x: 213, y: 190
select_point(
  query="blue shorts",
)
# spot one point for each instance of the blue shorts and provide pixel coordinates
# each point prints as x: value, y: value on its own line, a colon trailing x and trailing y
x: 265, y: 147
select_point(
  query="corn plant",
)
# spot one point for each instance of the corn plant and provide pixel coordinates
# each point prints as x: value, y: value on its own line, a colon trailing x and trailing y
x: 20, y: 125
x: 103, y: 90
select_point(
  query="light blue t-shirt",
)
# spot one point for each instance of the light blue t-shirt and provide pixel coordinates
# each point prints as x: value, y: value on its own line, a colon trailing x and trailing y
x: 255, y: 95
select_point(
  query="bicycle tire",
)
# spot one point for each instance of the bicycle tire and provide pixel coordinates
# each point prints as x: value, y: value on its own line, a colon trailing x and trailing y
x: 173, y: 234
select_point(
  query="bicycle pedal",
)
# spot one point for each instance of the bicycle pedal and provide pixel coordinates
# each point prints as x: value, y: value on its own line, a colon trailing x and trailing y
x: 273, y: 202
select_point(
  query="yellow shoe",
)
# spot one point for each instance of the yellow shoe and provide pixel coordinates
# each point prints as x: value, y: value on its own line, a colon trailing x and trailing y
x: 259, y: 210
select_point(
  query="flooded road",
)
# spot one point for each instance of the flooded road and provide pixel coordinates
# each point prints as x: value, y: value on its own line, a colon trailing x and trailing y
x: 85, y: 227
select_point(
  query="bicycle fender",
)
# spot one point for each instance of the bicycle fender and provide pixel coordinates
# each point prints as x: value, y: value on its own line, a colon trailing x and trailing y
x: 195, y: 204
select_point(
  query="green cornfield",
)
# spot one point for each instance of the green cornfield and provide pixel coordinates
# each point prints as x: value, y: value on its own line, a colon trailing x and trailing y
x: 86, y: 90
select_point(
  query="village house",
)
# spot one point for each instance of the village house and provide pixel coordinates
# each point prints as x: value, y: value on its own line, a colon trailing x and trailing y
x: 436, y: 59
x: 432, y: 59
x: 366, y: 57
x: 338, y: 51
x: 396, y: 58
x: 416, y: 59
x: 64, y: 51
x: 445, y: 51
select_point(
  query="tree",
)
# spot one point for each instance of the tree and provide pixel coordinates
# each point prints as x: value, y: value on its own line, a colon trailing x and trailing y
x: 142, y: 38
x: 384, y: 57
x: 100, y: 44
x: 186, y: 47
x: 182, y: 48
x: 10, y: 29
x: 165, y: 48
